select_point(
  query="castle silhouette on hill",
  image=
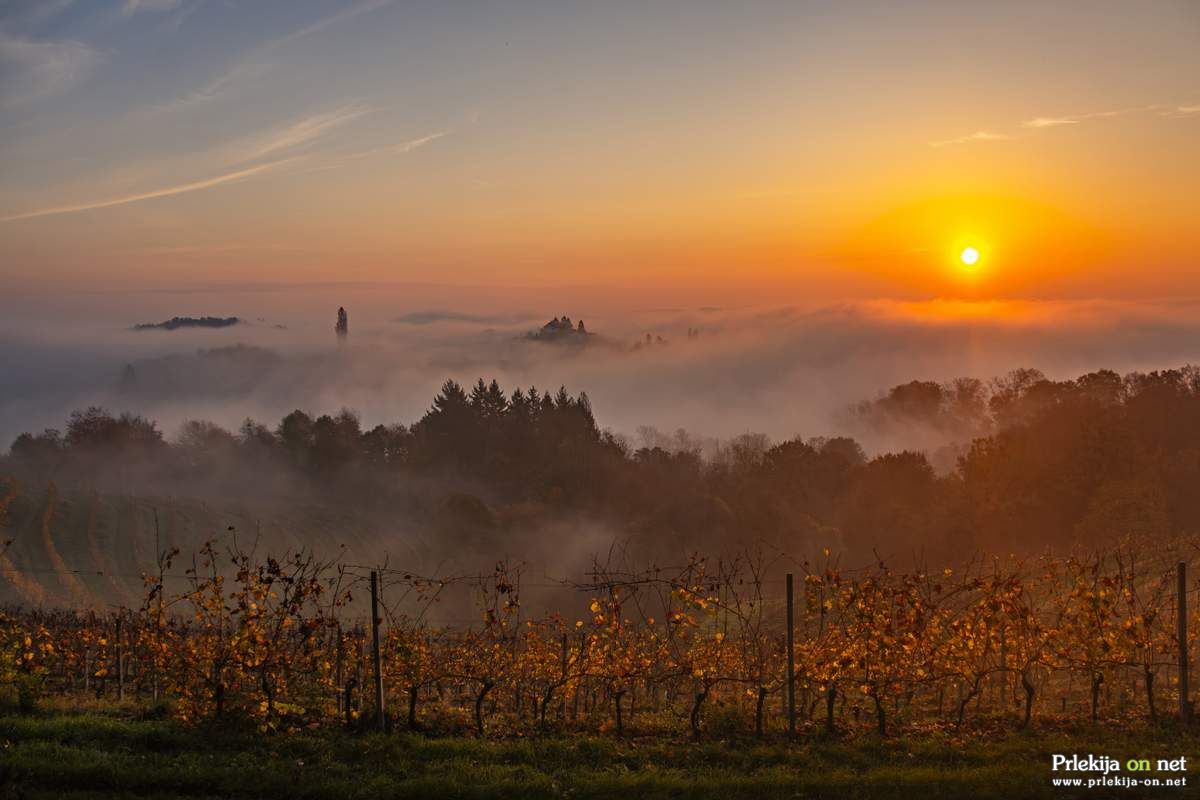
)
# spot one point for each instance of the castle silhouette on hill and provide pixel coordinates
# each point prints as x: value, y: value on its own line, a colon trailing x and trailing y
x: 560, y: 329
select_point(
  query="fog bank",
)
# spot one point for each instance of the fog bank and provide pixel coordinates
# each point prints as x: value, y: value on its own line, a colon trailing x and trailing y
x: 717, y: 372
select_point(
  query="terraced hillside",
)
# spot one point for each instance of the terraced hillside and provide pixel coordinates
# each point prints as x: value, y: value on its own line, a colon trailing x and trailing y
x: 89, y: 550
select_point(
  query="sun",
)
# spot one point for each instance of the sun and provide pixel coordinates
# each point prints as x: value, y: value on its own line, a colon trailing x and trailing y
x: 969, y: 256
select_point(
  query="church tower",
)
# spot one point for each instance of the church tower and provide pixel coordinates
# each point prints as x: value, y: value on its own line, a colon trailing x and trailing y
x: 343, y: 324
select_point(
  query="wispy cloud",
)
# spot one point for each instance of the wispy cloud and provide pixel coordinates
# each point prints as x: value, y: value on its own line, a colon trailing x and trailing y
x: 1073, y: 119
x: 977, y: 136
x: 1180, y: 111
x: 331, y: 20
x: 134, y: 6
x: 35, y: 69
x: 400, y: 148
x: 255, y: 62
x: 413, y: 144
x: 176, y: 21
x: 1049, y: 122
x: 236, y: 160
x: 168, y: 191
x: 1064, y: 120
x: 239, y: 73
x: 305, y: 131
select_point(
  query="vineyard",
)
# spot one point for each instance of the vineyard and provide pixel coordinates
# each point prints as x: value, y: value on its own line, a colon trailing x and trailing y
x: 696, y: 650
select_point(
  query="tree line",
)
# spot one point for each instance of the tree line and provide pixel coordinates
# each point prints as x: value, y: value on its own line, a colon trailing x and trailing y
x: 1038, y: 462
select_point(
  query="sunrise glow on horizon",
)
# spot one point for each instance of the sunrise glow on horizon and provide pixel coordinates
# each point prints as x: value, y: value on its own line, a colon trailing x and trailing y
x: 161, y: 145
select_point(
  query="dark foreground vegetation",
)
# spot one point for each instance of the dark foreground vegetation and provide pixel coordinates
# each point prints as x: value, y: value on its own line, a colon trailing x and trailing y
x: 1032, y: 463
x: 109, y: 755
x: 121, y: 753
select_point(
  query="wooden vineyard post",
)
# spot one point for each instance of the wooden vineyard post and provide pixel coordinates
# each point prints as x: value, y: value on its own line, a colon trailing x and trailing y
x: 1185, y: 707
x: 375, y: 659
x: 562, y: 702
x: 338, y: 677
x: 1003, y: 672
x: 120, y: 661
x: 791, y: 661
x: 158, y: 610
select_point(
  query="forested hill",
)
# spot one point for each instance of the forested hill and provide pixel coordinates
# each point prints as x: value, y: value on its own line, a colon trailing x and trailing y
x: 1043, y: 463
x: 175, y: 323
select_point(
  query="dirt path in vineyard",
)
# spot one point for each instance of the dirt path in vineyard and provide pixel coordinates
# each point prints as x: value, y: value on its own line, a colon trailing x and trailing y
x: 75, y: 592
x: 99, y: 560
x: 29, y: 590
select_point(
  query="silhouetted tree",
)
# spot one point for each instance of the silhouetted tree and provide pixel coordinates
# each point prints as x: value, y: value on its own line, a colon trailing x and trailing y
x: 295, y: 433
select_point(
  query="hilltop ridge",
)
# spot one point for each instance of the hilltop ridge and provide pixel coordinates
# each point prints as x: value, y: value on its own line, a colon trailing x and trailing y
x: 174, y: 323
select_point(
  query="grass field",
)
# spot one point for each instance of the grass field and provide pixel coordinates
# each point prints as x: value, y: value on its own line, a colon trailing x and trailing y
x: 108, y: 754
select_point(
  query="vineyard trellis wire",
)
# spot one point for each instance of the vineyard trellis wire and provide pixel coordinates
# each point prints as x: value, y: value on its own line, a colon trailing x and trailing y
x: 693, y: 647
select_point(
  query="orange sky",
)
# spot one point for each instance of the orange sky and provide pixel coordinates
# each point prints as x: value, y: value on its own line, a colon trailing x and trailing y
x: 774, y: 151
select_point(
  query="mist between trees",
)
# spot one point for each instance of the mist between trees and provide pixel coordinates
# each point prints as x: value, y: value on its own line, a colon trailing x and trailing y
x: 1034, y: 463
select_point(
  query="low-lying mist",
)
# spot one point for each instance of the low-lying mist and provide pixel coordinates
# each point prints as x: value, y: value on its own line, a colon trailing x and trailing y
x: 703, y: 429
x: 715, y: 372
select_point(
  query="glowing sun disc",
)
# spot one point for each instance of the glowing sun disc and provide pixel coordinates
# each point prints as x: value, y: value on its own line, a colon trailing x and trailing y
x: 969, y: 256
